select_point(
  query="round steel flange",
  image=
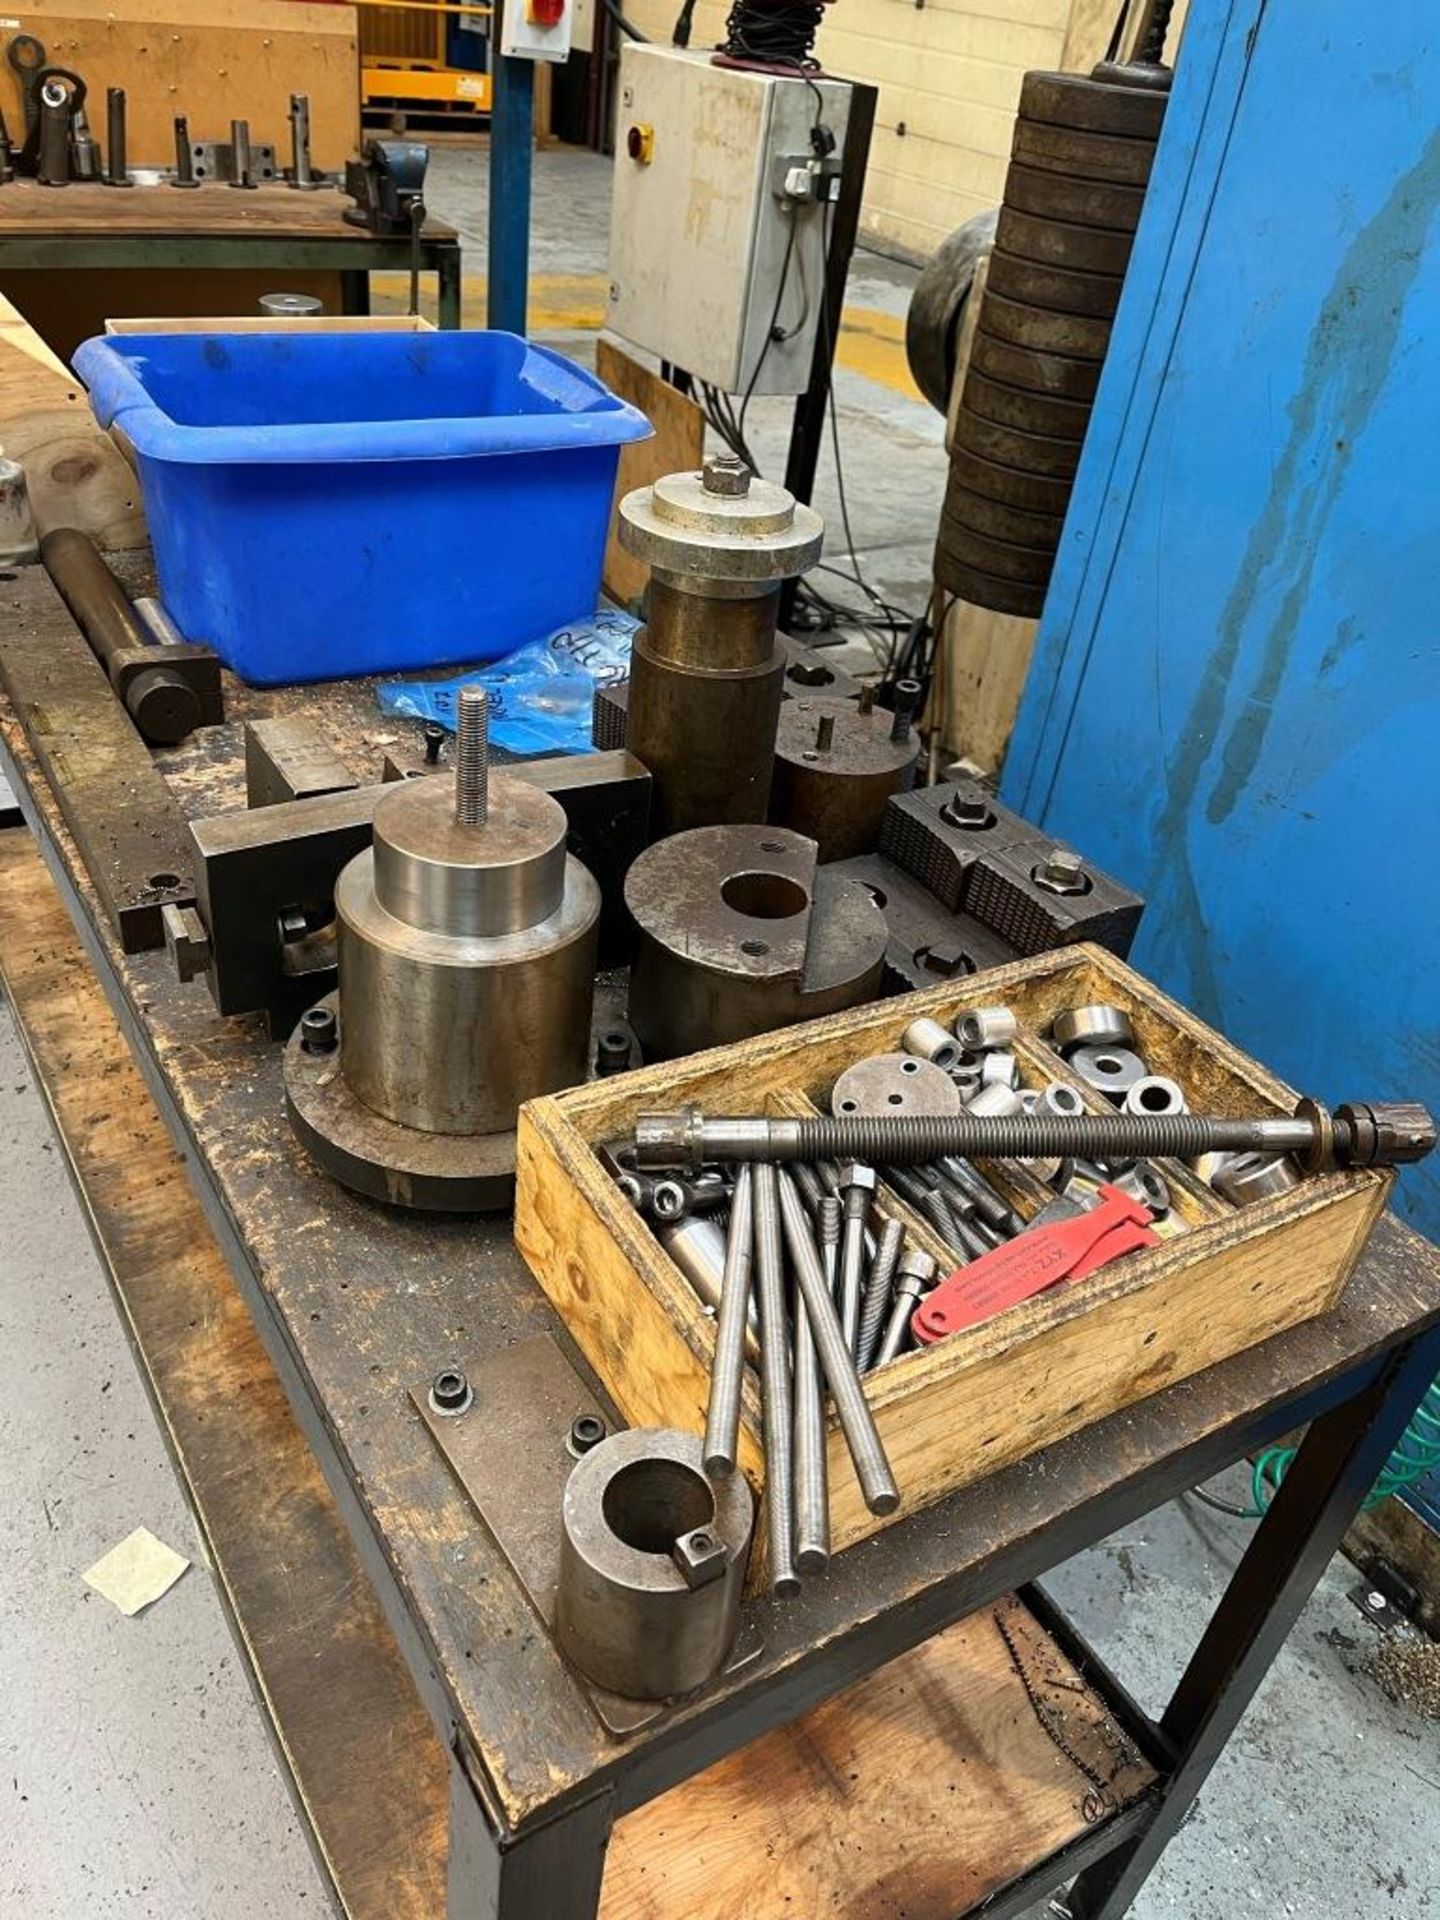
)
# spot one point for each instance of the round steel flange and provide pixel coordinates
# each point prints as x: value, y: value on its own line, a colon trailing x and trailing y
x: 893, y: 1083
x: 1079, y: 203
x: 972, y: 511
x: 937, y: 305
x: 1096, y: 1025
x: 1112, y: 1071
x: 1031, y: 492
x: 652, y: 1564
x: 1000, y: 558
x: 430, y: 1172
x: 1042, y: 413
x: 1076, y: 335
x: 836, y: 770
x: 1008, y: 447
x: 691, y: 534
x: 1058, y: 243
x: 1059, y: 289
x: 1077, y: 100
x: 1117, y: 158
x: 1248, y: 1177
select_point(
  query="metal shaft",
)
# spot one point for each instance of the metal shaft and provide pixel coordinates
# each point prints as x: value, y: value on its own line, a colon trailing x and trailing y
x: 867, y: 1450
x: 184, y: 155
x: 856, y: 1204
x: 727, y: 1373
x: 991, y: 1207
x: 907, y: 1293
x: 302, y: 173
x: 1359, y: 1134
x: 472, y: 757
x: 117, y: 168
x: 242, y: 167
x: 877, y: 1293
x: 775, y: 1382
x: 812, y: 1486
x: 160, y: 701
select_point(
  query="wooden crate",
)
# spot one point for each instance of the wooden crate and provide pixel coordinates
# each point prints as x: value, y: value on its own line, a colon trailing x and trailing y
x: 1220, y: 1281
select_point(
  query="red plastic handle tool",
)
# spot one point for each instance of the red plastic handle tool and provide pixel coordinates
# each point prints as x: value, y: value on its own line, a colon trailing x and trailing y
x: 1033, y: 1261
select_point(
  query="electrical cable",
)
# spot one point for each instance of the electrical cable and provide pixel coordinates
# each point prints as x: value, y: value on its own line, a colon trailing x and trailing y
x: 612, y: 7
x: 774, y: 33
x: 684, y: 20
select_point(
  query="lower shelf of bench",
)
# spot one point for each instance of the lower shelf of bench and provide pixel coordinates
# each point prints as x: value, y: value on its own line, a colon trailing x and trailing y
x: 916, y: 1793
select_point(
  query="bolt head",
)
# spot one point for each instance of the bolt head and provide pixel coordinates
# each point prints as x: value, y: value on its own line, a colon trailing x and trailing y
x: 450, y: 1391
x: 587, y: 1430
x: 319, y: 1030
x: 947, y: 958
x: 970, y: 815
x: 855, y: 1174
x: 700, y: 1556
x: 728, y: 474
x: 1062, y: 871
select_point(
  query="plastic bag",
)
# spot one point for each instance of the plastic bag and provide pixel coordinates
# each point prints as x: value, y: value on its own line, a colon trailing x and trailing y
x: 542, y: 695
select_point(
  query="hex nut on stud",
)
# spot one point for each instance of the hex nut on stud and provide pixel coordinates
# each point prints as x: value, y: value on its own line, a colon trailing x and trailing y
x: 726, y: 473
x: 1061, y: 871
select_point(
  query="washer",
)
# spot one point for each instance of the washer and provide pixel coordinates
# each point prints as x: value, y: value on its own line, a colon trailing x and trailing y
x: 1112, y: 1071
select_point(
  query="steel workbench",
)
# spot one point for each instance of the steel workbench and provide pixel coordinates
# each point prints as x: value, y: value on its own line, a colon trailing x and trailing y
x: 355, y: 1306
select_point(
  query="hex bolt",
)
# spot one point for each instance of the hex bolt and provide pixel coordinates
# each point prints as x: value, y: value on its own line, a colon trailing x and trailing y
x: 434, y: 737
x: 450, y: 1391
x: 969, y: 815
x: 857, y: 1192
x: 472, y: 757
x: 319, y: 1030
x: 587, y: 1430
x: 913, y: 1281
x: 728, y: 474
x: 1061, y: 871
x: 908, y: 695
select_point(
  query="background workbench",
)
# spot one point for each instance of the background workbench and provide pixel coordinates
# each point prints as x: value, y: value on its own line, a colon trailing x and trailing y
x: 355, y: 1306
x: 155, y: 250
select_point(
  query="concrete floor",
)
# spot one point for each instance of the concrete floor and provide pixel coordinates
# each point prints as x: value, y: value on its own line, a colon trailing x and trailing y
x: 135, y: 1780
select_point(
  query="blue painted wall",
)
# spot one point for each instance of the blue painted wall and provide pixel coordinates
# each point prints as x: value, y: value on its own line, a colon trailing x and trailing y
x: 1235, y: 701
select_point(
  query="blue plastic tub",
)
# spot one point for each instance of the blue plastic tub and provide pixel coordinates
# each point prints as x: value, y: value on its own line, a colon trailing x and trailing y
x: 328, y: 504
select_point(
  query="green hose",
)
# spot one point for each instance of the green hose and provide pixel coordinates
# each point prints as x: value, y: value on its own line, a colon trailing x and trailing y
x: 1417, y: 1452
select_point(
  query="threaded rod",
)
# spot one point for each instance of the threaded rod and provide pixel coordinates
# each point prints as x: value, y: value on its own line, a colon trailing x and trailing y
x: 472, y: 757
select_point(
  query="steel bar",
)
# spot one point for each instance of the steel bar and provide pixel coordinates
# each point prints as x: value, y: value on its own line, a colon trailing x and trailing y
x: 1362, y: 1134
x: 775, y: 1382
x: 877, y: 1293
x: 184, y: 175
x: 117, y: 169
x: 812, y: 1489
x: 992, y: 1208
x: 727, y: 1373
x: 867, y: 1450
x: 855, y: 1203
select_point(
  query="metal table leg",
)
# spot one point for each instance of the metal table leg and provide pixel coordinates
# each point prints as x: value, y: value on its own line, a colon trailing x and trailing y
x: 447, y: 267
x: 1337, y: 1464
x: 553, y: 1873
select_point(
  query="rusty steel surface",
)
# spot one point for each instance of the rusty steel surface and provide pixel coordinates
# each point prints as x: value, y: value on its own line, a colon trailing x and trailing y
x: 1119, y: 158
x: 1057, y: 289
x: 835, y: 770
x: 1077, y: 100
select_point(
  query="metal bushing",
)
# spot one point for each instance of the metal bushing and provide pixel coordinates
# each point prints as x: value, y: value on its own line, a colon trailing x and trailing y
x: 707, y: 673
x: 652, y: 1564
x: 1154, y: 1093
x: 466, y: 944
x: 891, y: 1084
x: 1255, y: 1176
x: 1096, y: 1025
x: 836, y: 768
x: 739, y: 933
x: 1094, y: 106
x: 928, y: 1040
x: 1112, y: 1071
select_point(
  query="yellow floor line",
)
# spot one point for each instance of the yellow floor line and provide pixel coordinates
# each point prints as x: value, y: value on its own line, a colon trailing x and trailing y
x: 872, y: 342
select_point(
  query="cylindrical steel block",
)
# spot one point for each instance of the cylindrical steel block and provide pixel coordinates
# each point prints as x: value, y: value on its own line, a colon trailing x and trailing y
x: 467, y: 955
x: 836, y: 769
x: 652, y: 1564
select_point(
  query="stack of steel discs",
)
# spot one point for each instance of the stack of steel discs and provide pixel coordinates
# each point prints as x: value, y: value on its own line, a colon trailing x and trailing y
x: 1079, y: 166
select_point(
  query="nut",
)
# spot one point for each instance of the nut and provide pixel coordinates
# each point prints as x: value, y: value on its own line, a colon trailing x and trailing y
x: 969, y: 815
x: 726, y: 473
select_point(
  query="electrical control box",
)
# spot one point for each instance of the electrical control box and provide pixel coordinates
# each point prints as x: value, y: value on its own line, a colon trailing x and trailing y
x: 536, y: 29
x: 725, y: 183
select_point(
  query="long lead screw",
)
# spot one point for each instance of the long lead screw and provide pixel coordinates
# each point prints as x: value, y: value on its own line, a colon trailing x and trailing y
x: 472, y: 757
x: 727, y: 1373
x: 867, y: 1450
x: 812, y: 1489
x: 775, y: 1383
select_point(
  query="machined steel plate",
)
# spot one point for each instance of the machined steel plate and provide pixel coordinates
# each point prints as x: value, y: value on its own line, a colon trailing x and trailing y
x: 1009, y: 447
x: 1083, y: 155
x: 1059, y: 289
x: 893, y: 1085
x: 1061, y: 244
x: 1078, y: 336
x: 214, y: 160
x: 511, y: 1452
x: 1075, y: 100
x: 1052, y: 374
x: 1030, y: 412
x: 404, y: 1167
